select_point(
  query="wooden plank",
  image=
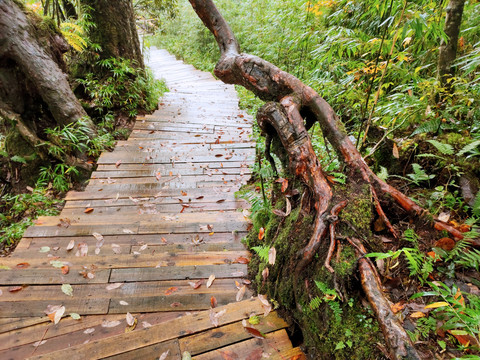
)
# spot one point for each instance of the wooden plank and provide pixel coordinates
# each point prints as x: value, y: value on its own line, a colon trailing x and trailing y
x: 178, y: 273
x: 38, y: 307
x: 114, y: 261
x: 272, y: 347
x: 152, y: 352
x: 49, y: 276
x: 228, y: 334
x: 64, y: 334
x: 10, y: 324
x: 188, y: 324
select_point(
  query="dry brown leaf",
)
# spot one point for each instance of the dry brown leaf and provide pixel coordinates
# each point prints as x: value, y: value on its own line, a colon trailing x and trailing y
x: 130, y: 319
x: 65, y: 269
x: 71, y: 245
x: 55, y: 312
x: 118, y: 163
x: 23, y: 265
x: 255, y: 333
x: 88, y: 210
x: 241, y: 260
x: 110, y: 324
x: 214, y: 316
x: 113, y: 286
x: 265, y: 274
x: 123, y: 303
x: 196, y: 284
x: 164, y: 355
x: 82, y: 249
x: 395, y: 153
x: 213, y: 302
x: 288, y: 210
x: 241, y: 293
x: 210, y: 280
x: 171, y: 290
x: 14, y: 289
x: 272, y: 256
x: 267, y: 307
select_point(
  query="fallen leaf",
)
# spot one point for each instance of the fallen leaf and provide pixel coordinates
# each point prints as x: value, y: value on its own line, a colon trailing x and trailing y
x: 55, y: 312
x: 97, y: 236
x: 127, y: 231
x: 255, y: 333
x: 23, y: 265
x: 88, y: 210
x: 44, y: 249
x: 444, y: 216
x: 89, y: 331
x: 116, y: 248
x: 176, y: 304
x: 288, y: 210
x: 186, y: 356
x: 113, y: 286
x: 164, y: 355
x: 210, y: 280
x: 67, y: 289
x: 38, y: 343
x: 213, y: 302
x: 395, y: 153
x: 241, y: 293
x: 463, y: 337
x: 57, y: 264
x: 75, y: 316
x: 15, y: 289
x: 279, y: 212
x: 272, y: 256
x: 398, y: 307
x: 241, y: 260
x: 123, y: 303
x: 118, y: 163
x: 267, y: 307
x: 196, y: 284
x: 130, y: 319
x: 82, y: 249
x: 261, y: 233
x: 143, y: 247
x: 445, y: 243
x: 417, y: 314
x: 71, y: 245
x: 265, y: 274
x: 436, y: 305
x: 170, y: 290
x: 110, y: 324
x: 220, y: 201
x: 214, y: 316
x: 146, y: 324
x: 284, y: 183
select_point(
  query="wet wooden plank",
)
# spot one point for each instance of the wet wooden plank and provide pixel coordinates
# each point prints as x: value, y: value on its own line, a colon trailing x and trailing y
x: 32, y: 276
x: 229, y: 334
x: 37, y: 308
x: 188, y: 324
x: 152, y: 352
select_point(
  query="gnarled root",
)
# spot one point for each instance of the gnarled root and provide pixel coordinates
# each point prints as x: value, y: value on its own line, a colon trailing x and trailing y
x: 398, y: 343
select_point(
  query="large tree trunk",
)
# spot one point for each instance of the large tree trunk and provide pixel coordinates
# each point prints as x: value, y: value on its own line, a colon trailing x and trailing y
x: 292, y: 109
x: 19, y: 43
x: 448, y: 50
x: 115, y: 29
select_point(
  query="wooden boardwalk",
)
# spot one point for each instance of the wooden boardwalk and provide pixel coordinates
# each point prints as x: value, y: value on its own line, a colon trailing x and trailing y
x: 158, y: 218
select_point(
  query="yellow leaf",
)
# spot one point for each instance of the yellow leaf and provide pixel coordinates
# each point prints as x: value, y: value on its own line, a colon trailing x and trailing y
x: 417, y: 314
x: 436, y: 305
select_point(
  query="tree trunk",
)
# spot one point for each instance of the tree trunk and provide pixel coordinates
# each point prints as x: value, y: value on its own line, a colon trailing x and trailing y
x: 294, y: 107
x: 19, y: 43
x: 448, y: 50
x: 115, y: 29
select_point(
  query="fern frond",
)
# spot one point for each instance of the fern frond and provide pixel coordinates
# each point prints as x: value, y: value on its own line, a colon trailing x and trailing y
x: 74, y: 35
x: 470, y: 259
x: 315, y: 303
x: 262, y: 252
x: 470, y: 147
x: 431, y: 126
x: 444, y: 149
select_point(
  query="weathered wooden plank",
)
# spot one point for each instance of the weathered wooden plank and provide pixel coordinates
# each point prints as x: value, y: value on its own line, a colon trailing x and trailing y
x: 38, y: 307
x: 179, y: 273
x: 229, y: 334
x: 49, y: 276
x: 152, y: 352
x: 112, y: 260
x: 64, y: 334
x: 272, y: 347
x: 11, y: 324
x: 188, y: 324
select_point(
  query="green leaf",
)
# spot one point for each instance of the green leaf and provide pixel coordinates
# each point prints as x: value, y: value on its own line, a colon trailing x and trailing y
x: 458, y: 332
x: 44, y: 249
x: 18, y: 159
x: 186, y: 356
x: 75, y: 316
x: 67, y: 289
x: 340, y: 345
x: 57, y: 263
x: 445, y: 149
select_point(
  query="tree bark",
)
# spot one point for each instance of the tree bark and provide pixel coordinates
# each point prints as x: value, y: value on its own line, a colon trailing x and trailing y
x: 115, y: 29
x: 448, y: 50
x: 18, y: 43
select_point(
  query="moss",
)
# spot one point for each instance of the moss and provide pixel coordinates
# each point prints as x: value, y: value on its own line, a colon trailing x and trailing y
x: 358, y: 212
x: 346, y: 264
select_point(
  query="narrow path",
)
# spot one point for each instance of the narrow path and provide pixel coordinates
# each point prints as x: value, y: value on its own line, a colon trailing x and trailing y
x: 158, y: 218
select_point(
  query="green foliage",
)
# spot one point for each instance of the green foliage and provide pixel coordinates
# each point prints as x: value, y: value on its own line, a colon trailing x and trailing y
x: 262, y: 252
x: 59, y: 175
x: 125, y: 87
x: 329, y: 296
x: 20, y: 210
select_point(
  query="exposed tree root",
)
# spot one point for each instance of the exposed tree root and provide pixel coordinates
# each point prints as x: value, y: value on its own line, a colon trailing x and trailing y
x: 290, y: 105
x: 399, y: 345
